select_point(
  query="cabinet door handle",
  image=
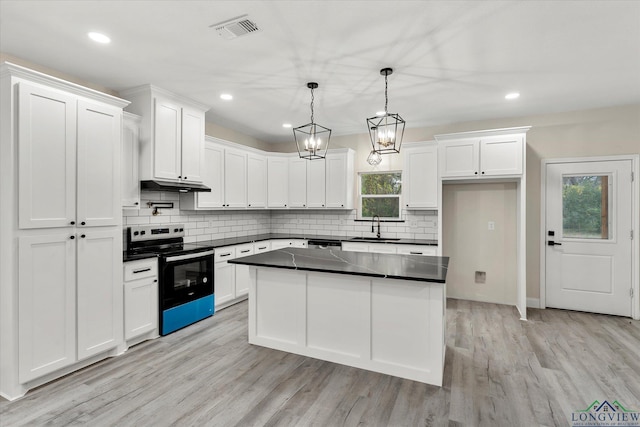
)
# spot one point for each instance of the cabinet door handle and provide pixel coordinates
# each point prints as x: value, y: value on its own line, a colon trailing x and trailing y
x: 82, y: 223
x: 185, y: 178
x: 136, y: 203
x: 72, y: 237
x: 142, y: 270
x: 72, y: 223
x: 179, y: 177
x: 476, y: 172
x: 155, y: 280
x: 82, y: 236
x: 482, y: 172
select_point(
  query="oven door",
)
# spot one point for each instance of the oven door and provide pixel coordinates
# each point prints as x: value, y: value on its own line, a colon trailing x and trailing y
x: 185, y: 278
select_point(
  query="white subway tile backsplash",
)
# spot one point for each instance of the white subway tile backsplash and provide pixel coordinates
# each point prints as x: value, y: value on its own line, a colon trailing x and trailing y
x: 207, y: 225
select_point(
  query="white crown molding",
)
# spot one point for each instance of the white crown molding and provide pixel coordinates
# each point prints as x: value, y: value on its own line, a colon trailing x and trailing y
x: 482, y: 133
x: 155, y: 90
x: 13, y: 70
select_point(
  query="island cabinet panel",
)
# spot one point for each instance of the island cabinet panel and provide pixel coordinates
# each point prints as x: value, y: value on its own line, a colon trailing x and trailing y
x: 391, y: 326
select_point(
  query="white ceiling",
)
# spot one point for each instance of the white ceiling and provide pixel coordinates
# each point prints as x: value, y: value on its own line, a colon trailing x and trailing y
x: 453, y: 60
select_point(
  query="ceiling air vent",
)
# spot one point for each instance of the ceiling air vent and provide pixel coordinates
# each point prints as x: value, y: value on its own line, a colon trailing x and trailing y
x: 235, y: 27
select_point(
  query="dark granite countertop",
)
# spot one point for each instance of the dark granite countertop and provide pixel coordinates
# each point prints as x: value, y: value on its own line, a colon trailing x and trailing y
x: 219, y: 243
x: 133, y: 257
x: 388, y: 266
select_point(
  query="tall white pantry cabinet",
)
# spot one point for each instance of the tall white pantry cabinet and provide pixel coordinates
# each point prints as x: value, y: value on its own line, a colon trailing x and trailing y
x: 61, y: 300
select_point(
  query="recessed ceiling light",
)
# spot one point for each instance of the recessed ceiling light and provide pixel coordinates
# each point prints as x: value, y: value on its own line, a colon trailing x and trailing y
x: 99, y: 38
x: 512, y: 95
x: 286, y: 125
x: 226, y: 97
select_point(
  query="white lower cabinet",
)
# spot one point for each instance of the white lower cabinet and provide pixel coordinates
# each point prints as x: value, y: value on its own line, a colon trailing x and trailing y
x: 288, y: 243
x: 141, y: 299
x: 390, y: 248
x: 70, y: 298
x: 224, y: 276
x: 242, y: 271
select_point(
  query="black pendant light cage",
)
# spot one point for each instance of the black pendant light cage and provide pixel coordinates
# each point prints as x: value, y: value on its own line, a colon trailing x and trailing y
x: 386, y: 131
x: 312, y: 139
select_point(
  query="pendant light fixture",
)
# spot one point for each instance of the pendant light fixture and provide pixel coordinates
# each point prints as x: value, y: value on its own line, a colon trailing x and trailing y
x: 374, y: 158
x: 312, y: 139
x: 386, y: 129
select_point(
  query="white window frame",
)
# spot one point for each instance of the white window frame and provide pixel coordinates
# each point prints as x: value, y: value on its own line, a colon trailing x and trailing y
x: 360, y: 195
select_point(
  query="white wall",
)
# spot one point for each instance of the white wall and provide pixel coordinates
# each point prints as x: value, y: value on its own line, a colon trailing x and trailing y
x: 468, y: 208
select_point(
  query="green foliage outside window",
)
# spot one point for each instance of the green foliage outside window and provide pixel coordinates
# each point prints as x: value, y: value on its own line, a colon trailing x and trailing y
x: 582, y: 206
x: 373, y: 189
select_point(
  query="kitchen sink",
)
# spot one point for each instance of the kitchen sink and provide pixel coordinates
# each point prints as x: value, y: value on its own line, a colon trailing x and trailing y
x: 373, y: 239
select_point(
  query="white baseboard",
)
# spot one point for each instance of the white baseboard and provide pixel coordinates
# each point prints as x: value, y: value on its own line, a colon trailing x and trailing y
x: 533, y: 302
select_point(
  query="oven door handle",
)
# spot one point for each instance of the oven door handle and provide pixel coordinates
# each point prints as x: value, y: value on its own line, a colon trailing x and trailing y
x: 188, y: 256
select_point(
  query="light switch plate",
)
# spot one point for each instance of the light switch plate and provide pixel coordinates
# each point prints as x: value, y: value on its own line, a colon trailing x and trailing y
x: 492, y: 225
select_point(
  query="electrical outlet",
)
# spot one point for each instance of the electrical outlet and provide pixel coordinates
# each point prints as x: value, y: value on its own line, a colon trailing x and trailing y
x: 481, y: 277
x: 492, y: 225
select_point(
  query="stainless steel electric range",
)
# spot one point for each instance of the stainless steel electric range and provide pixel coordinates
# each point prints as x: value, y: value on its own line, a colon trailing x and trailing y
x: 186, y: 287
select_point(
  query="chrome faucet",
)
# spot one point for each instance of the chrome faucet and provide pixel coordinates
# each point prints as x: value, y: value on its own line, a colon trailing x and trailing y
x: 373, y: 219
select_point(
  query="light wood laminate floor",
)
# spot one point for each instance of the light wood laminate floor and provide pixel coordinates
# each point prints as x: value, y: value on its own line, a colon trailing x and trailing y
x: 499, y: 371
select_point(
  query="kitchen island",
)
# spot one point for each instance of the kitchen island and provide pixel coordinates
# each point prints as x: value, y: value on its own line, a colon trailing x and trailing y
x: 380, y: 312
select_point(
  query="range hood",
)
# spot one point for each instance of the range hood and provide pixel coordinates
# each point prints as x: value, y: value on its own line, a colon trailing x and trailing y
x: 176, y: 187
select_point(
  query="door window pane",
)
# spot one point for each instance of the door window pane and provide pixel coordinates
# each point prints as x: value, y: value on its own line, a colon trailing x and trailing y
x: 585, y: 206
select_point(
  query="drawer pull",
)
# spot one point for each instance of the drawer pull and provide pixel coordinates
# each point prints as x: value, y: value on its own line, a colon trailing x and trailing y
x: 142, y: 270
x: 264, y: 247
x: 244, y: 252
x: 415, y: 253
x: 223, y: 255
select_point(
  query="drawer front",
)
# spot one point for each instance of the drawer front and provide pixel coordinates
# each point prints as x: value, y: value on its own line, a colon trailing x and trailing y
x: 224, y: 254
x: 417, y: 250
x: 355, y: 247
x: 244, y: 250
x: 260, y: 247
x: 139, y: 269
x: 383, y: 248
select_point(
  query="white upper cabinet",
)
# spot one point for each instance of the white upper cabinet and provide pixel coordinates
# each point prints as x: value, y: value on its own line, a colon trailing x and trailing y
x: 171, y: 134
x: 297, y: 182
x: 235, y: 178
x: 213, y: 177
x: 501, y: 155
x: 99, y: 201
x: 46, y: 156
x: 316, y: 175
x: 460, y: 158
x: 492, y: 153
x: 192, y: 144
x: 130, y: 147
x: 277, y: 182
x: 256, y: 181
x: 340, y: 179
x: 167, y: 131
x: 69, y: 160
x: 420, y: 177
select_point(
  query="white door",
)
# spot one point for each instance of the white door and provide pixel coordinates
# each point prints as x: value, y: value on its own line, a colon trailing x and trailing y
x: 459, y: 158
x: 130, y: 147
x: 277, y: 182
x: 256, y: 181
x: 336, y: 180
x: 46, y: 303
x: 316, y: 183
x: 167, y: 140
x: 588, y: 236
x: 98, y: 180
x: 298, y: 182
x: 192, y: 144
x: 235, y: 179
x: 46, y: 157
x: 100, y: 295
x: 421, y: 177
x: 213, y: 173
x: 225, y: 282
